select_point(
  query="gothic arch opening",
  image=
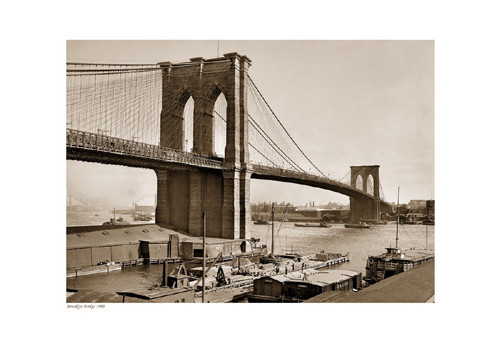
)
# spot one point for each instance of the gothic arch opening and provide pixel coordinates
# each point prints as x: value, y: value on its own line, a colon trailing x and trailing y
x: 359, y: 182
x: 370, y: 185
x: 220, y: 117
x: 188, y: 116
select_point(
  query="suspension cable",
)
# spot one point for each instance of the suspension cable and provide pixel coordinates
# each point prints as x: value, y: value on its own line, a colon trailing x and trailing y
x: 256, y: 149
x: 268, y: 106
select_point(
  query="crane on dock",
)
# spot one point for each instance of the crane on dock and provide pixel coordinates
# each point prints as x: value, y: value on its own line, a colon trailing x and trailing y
x: 221, y: 279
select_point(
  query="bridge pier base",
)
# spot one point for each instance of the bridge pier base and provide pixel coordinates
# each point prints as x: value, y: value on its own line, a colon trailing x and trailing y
x: 364, y: 209
x: 231, y: 205
x: 225, y: 198
x: 184, y: 195
x: 245, y: 208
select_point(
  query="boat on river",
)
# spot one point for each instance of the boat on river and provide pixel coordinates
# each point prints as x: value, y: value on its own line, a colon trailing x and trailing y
x: 357, y: 225
x: 322, y: 225
x: 394, y: 261
x: 142, y: 217
x: 115, y: 221
x: 261, y: 222
x: 375, y: 222
x: 413, y: 222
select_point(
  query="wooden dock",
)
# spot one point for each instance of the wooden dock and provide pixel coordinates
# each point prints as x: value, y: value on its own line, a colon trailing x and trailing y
x: 153, y: 261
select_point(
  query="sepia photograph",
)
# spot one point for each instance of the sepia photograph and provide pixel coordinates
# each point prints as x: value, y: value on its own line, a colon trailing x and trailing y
x: 250, y: 171
x: 273, y: 167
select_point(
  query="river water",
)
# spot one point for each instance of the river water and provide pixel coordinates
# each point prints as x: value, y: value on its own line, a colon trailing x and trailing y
x: 96, y: 218
x: 359, y: 243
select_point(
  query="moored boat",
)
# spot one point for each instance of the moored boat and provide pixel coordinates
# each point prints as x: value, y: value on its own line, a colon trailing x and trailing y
x: 356, y: 225
x: 394, y: 261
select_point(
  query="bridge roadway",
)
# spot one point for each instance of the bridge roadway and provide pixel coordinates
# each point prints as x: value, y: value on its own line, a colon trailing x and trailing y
x: 94, y: 147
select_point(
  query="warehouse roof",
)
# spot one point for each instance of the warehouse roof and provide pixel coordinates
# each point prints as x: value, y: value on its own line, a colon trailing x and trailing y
x: 95, y: 236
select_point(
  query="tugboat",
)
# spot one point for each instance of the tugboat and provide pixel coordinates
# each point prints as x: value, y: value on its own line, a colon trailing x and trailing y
x: 115, y: 221
x: 118, y: 221
x: 142, y: 217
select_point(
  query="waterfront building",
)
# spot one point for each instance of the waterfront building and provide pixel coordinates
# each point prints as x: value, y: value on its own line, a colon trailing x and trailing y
x: 88, y: 246
x: 146, y: 205
x: 302, y: 285
x: 430, y: 209
x: 417, y: 204
x: 415, y: 215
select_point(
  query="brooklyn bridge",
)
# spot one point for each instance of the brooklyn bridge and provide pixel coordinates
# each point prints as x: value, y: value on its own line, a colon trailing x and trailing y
x: 206, y: 130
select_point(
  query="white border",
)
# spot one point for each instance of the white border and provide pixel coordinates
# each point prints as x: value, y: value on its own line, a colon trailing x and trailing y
x: 467, y: 71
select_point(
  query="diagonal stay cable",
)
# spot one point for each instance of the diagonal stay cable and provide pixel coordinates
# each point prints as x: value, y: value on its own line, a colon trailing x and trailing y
x: 282, y: 154
x: 256, y: 149
x: 268, y: 106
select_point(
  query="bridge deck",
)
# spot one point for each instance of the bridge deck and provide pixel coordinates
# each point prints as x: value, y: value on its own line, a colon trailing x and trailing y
x: 101, y: 148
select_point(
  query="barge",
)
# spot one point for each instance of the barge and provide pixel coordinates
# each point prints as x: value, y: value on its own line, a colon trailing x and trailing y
x: 310, y: 225
x: 394, y: 261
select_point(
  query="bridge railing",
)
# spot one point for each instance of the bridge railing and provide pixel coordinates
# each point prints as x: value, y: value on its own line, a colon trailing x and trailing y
x: 100, y: 142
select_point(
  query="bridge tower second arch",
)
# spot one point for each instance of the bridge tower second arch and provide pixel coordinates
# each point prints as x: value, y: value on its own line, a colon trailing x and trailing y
x: 365, y: 208
x: 224, y: 195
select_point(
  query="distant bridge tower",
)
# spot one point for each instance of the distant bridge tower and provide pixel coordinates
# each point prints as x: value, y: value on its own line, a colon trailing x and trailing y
x: 184, y: 194
x: 364, y: 208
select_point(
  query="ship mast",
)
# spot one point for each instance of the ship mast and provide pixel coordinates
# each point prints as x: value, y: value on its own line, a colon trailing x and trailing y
x: 272, y: 228
x: 397, y: 221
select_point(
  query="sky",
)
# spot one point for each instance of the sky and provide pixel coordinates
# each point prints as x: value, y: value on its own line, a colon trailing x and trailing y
x: 344, y: 102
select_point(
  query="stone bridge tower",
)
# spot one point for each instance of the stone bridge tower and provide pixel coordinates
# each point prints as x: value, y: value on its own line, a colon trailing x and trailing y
x: 363, y: 208
x: 224, y: 195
